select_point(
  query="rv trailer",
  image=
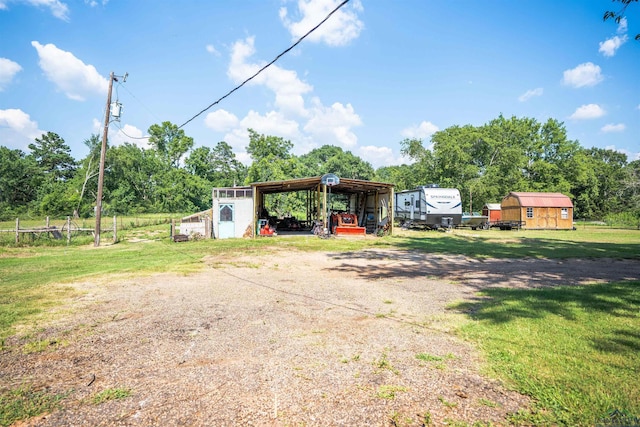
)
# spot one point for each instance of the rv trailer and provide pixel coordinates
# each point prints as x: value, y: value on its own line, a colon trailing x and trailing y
x: 429, y: 206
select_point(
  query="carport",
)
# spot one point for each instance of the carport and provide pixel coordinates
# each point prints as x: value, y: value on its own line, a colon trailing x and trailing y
x: 371, y: 202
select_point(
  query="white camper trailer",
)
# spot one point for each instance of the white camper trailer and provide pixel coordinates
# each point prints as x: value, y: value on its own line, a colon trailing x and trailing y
x: 429, y: 206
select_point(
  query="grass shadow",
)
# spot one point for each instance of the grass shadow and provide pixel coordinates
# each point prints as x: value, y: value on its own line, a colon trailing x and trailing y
x: 519, y: 247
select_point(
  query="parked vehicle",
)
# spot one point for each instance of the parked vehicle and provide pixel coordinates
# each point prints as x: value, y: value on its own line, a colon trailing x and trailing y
x: 474, y: 221
x: 429, y: 206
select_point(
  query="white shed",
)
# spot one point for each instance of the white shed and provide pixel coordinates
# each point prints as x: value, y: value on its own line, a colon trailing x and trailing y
x: 232, y: 212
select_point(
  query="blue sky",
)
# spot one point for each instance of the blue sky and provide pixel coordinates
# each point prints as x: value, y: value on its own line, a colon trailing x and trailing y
x: 375, y: 73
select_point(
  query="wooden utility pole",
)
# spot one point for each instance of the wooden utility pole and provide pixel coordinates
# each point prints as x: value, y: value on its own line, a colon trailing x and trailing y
x: 103, y: 150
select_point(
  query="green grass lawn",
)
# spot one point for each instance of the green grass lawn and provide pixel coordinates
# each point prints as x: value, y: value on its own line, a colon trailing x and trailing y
x: 574, y: 350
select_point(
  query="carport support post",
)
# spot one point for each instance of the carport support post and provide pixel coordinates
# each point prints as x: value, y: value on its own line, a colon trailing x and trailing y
x: 318, y: 203
x: 324, y: 207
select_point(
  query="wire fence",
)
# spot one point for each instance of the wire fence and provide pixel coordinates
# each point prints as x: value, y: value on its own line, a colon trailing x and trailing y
x: 52, y: 231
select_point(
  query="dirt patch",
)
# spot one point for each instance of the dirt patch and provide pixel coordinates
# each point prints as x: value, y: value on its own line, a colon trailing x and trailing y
x: 289, y: 339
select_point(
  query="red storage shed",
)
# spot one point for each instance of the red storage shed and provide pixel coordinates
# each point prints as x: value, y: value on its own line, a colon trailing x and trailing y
x: 493, y: 212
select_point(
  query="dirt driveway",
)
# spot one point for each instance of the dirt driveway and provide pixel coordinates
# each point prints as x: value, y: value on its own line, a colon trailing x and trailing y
x: 303, y: 338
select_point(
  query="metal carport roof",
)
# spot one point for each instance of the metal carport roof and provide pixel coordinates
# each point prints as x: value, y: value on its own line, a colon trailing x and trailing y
x: 346, y: 186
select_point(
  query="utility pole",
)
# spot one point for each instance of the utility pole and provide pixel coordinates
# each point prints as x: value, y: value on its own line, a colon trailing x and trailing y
x: 103, y: 151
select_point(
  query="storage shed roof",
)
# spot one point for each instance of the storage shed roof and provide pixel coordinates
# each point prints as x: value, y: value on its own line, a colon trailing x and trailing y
x: 542, y: 200
x: 493, y: 206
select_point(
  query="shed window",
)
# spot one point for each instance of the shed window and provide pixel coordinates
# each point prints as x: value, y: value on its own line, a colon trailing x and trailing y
x: 564, y: 214
x: 529, y: 212
x: 226, y: 213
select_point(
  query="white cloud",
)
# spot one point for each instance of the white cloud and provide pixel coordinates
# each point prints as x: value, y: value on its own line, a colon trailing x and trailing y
x: 530, y: 94
x: 332, y: 125
x: 587, y: 112
x: 130, y: 134
x: 221, y: 120
x: 631, y: 156
x: 58, y: 9
x: 211, y: 49
x: 288, y: 116
x: 286, y: 85
x: 8, y: 69
x: 622, y: 26
x: 422, y: 131
x: 342, y: 27
x: 94, y: 3
x: 609, y: 46
x: 378, y: 156
x: 620, y: 127
x: 70, y: 75
x: 587, y: 74
x: 118, y: 135
x: 271, y: 123
x: 17, y: 130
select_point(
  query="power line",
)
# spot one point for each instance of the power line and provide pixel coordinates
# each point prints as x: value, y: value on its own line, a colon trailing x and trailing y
x: 268, y: 65
x: 129, y: 136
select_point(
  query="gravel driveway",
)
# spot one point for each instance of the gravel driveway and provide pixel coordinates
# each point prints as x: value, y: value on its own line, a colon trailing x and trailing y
x: 298, y: 338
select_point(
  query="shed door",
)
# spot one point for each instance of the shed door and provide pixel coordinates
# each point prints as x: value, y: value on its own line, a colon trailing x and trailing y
x: 226, y: 221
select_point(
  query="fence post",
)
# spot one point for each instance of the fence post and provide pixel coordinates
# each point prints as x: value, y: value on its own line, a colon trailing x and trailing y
x: 115, y: 235
x: 207, y: 227
x: 68, y: 229
x: 47, y: 224
x: 17, y: 230
x: 171, y: 229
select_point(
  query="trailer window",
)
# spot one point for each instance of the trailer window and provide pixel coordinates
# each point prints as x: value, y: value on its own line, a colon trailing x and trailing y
x: 564, y: 214
x: 529, y: 212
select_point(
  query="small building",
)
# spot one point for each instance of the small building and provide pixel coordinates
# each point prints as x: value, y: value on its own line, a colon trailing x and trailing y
x: 237, y: 211
x: 538, y: 211
x: 493, y: 212
x: 197, y: 224
x: 232, y: 212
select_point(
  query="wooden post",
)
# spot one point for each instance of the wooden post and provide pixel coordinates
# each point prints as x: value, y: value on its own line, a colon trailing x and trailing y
x: 325, y: 220
x: 17, y: 230
x: 68, y: 229
x: 115, y: 231
x: 171, y: 229
x: 47, y: 224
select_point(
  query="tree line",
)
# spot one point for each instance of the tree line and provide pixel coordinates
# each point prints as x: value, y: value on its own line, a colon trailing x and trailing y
x: 484, y: 162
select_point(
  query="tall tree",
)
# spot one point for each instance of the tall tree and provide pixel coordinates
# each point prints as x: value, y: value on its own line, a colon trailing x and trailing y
x: 170, y: 142
x: 263, y: 146
x: 332, y: 159
x: 423, y: 169
x: 402, y: 176
x: 53, y: 156
x: 217, y: 165
x: 86, y: 176
x: 631, y: 187
x: 599, y: 184
x: 133, y: 178
x: 272, y: 159
x: 19, y: 179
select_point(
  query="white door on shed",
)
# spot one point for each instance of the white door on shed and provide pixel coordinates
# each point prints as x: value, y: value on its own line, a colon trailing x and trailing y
x: 226, y: 223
